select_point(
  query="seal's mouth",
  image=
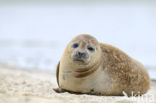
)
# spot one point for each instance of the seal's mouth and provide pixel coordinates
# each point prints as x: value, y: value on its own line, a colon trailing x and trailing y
x: 79, y: 61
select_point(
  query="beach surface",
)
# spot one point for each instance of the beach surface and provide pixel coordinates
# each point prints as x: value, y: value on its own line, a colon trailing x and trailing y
x: 32, y: 86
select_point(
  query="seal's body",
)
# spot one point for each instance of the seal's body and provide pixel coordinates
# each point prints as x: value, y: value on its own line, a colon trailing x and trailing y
x: 90, y: 67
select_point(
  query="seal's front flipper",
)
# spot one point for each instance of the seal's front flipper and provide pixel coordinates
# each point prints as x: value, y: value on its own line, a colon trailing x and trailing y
x: 59, y: 90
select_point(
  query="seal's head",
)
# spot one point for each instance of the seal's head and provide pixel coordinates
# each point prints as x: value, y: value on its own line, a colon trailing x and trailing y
x: 83, y: 51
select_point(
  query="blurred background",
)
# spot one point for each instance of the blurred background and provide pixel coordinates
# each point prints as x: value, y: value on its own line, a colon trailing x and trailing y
x: 34, y: 34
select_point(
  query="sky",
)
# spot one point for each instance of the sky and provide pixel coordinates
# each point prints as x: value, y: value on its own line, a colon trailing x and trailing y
x: 39, y: 33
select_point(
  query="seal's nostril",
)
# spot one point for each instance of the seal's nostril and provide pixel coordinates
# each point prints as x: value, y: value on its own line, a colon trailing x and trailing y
x: 83, y: 54
x: 79, y: 53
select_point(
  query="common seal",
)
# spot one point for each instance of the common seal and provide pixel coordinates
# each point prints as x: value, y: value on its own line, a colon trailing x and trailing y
x: 90, y: 67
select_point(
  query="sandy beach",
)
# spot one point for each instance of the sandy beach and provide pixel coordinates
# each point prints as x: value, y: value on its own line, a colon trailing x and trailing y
x: 27, y: 86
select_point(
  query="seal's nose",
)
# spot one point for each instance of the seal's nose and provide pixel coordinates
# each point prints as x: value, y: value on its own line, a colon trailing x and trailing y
x: 81, y: 54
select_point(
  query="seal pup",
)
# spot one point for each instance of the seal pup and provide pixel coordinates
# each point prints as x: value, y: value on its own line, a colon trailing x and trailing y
x: 90, y: 67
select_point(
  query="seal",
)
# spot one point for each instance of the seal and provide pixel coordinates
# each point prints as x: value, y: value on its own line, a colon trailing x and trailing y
x: 90, y: 67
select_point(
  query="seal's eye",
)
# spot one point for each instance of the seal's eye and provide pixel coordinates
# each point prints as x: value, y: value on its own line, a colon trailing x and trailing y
x: 90, y: 48
x: 75, y: 45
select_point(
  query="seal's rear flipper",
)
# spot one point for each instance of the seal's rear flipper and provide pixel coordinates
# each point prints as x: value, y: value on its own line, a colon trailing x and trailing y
x: 59, y: 90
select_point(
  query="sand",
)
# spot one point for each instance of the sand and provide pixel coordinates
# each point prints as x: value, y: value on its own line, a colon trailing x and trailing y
x: 26, y: 86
